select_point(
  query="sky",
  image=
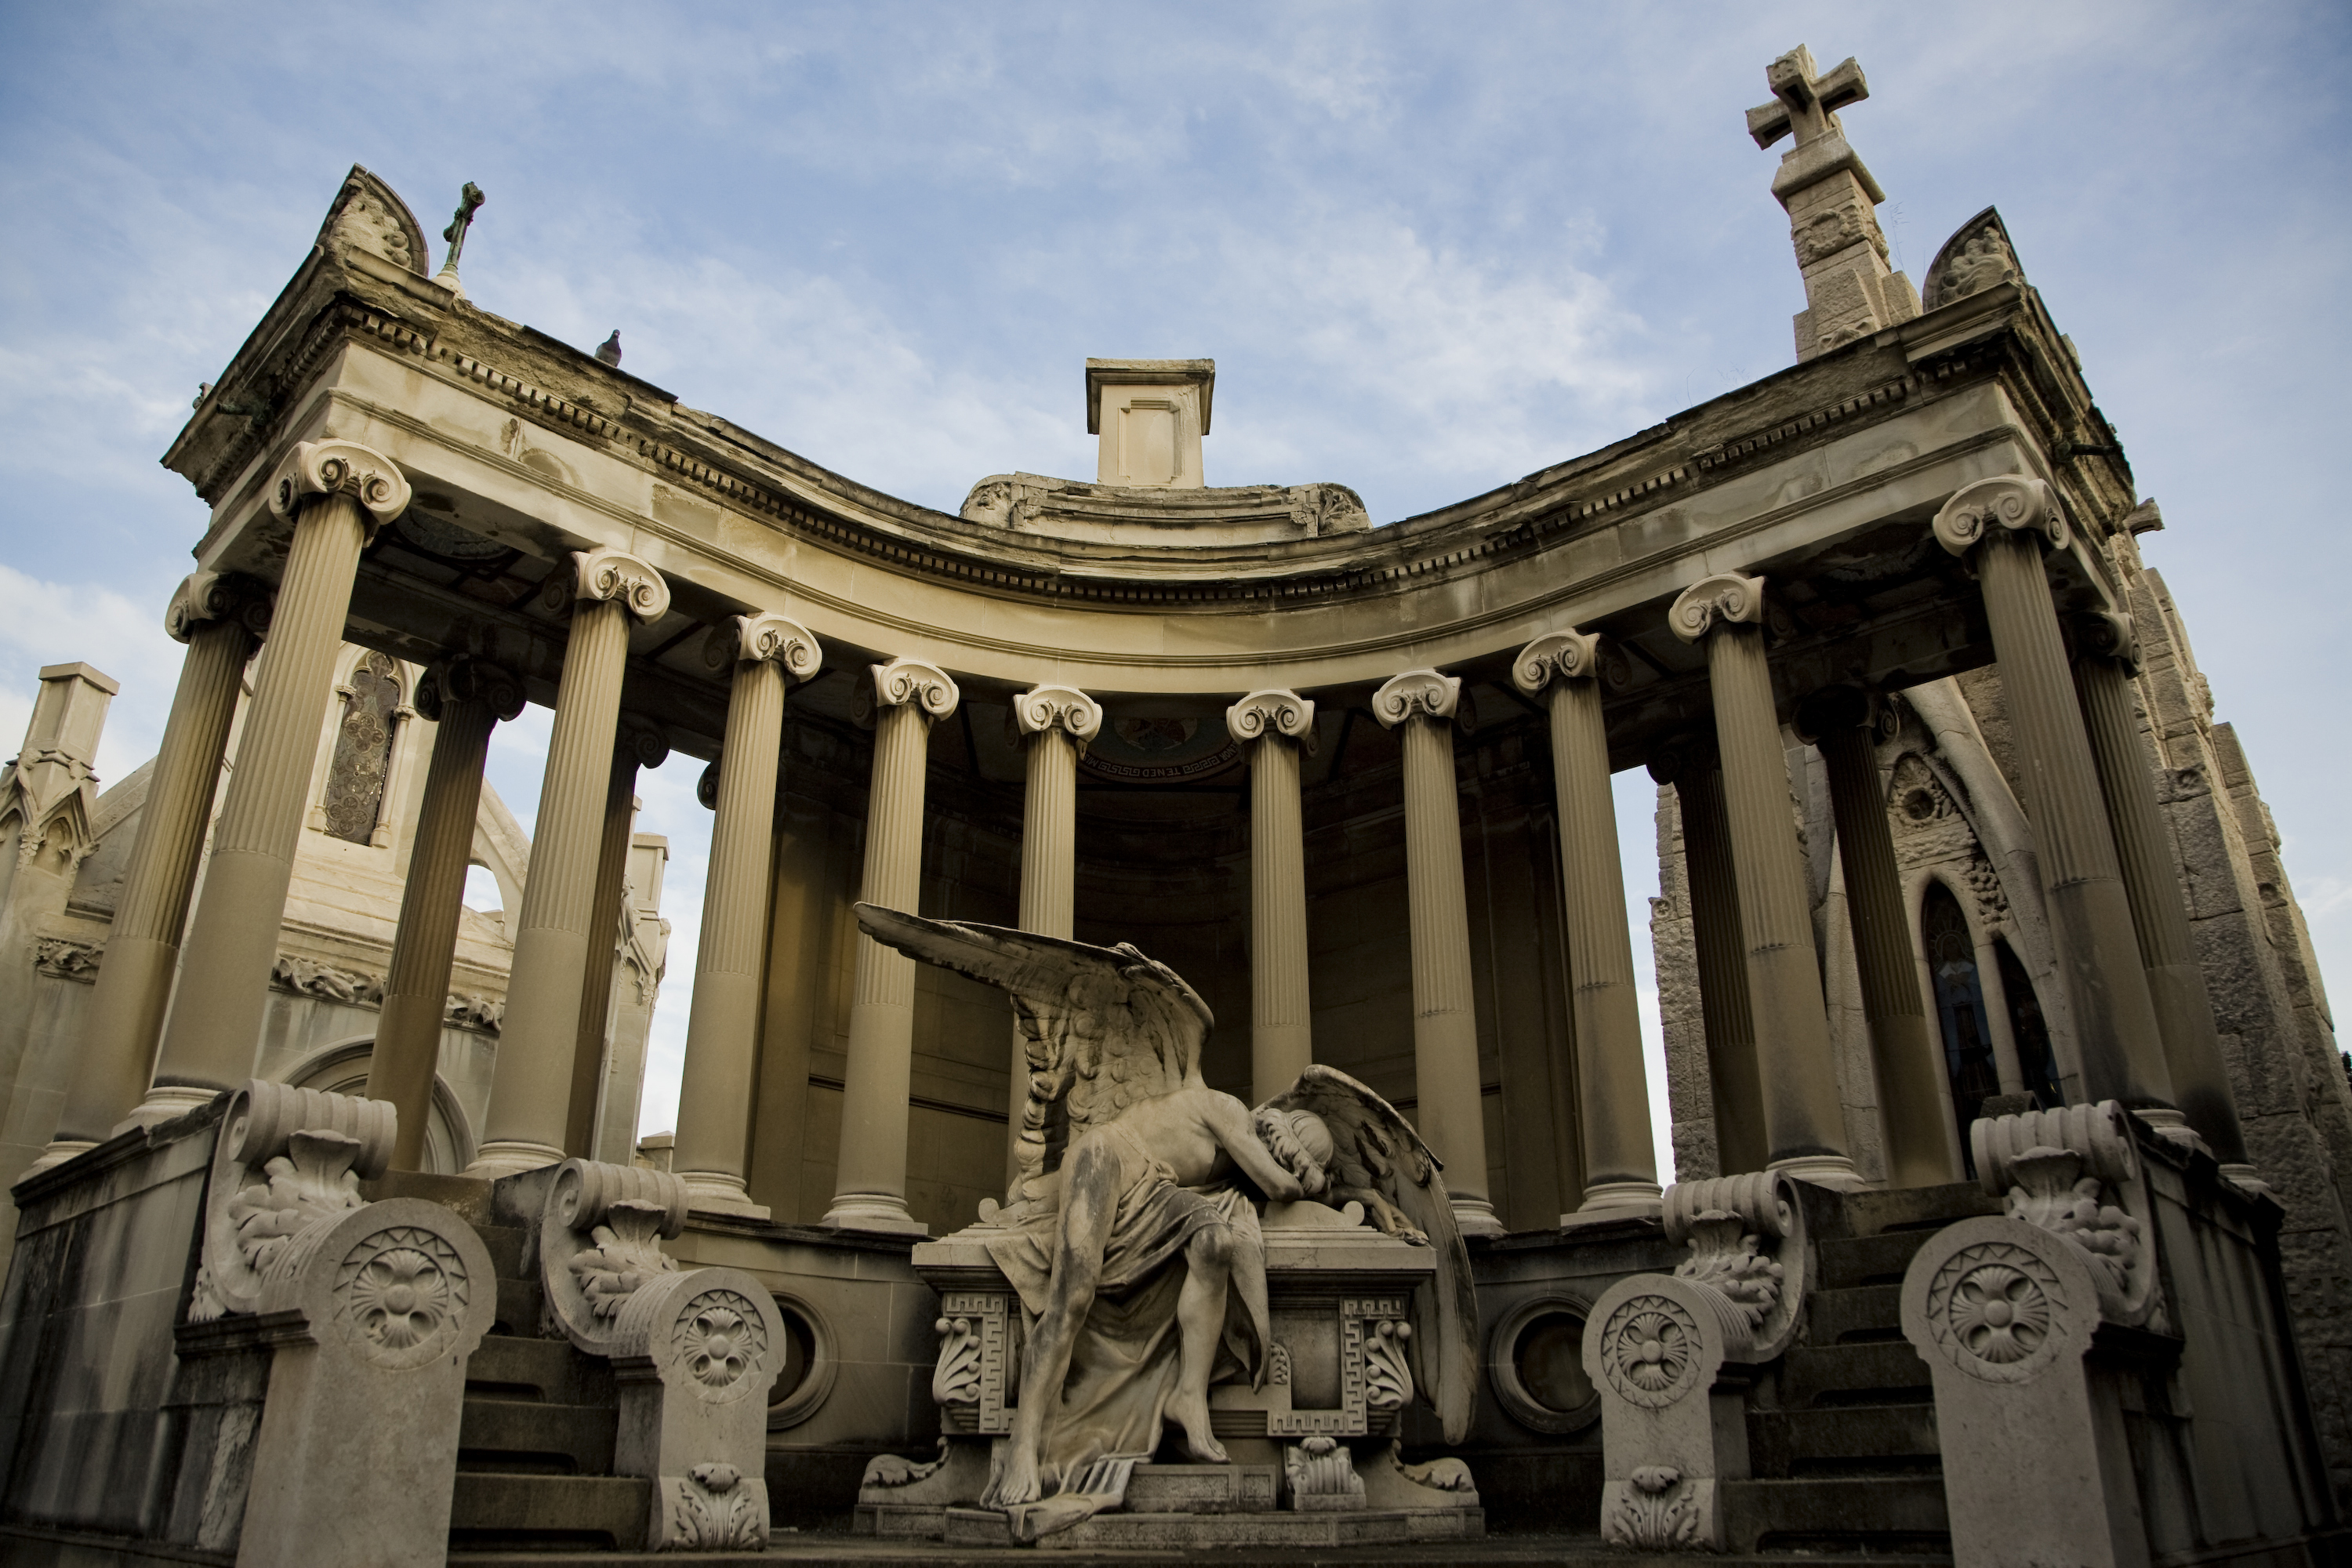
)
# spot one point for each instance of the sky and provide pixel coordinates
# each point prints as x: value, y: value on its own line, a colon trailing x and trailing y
x: 1432, y: 249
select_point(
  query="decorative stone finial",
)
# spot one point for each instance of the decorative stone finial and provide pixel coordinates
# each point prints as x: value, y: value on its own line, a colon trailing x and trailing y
x: 2013, y: 502
x: 1272, y: 712
x: 341, y: 468
x: 1830, y: 200
x: 1569, y: 655
x: 469, y: 201
x: 1726, y: 597
x: 1043, y: 708
x: 753, y: 639
x: 606, y: 574
x: 1977, y: 256
x: 1417, y: 693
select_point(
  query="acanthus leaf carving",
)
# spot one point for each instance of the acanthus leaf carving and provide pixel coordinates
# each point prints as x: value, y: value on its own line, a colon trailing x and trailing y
x: 1655, y: 1510
x: 955, y: 1380
x: 1388, y: 1367
x: 2074, y: 1174
x: 285, y: 1158
x: 710, y: 1510
x: 600, y: 1244
x: 64, y: 959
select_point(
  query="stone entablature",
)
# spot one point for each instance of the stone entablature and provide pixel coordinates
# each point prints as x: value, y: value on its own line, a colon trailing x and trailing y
x: 1115, y: 515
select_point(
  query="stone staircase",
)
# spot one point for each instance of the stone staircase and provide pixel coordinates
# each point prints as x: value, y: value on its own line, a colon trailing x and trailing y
x: 535, y: 1448
x: 1842, y: 1432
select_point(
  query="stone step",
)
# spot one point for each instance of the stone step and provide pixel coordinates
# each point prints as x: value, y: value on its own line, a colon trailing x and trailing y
x: 1853, y: 1374
x: 1847, y: 1261
x: 527, y: 1436
x: 550, y: 1513
x: 519, y: 1306
x: 1854, y: 1315
x: 1870, y: 1439
x: 507, y: 1366
x: 1836, y: 1515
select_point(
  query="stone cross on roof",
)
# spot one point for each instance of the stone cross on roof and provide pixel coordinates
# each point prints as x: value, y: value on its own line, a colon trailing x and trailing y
x: 1804, y: 100
x: 1850, y: 293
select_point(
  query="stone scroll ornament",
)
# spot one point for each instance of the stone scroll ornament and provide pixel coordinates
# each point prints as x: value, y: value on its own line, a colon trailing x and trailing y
x: 1726, y: 599
x: 1284, y: 714
x: 285, y: 1159
x: 319, y: 468
x: 606, y: 575
x: 1106, y: 1031
x: 1566, y: 656
x: 2015, y: 502
x: 217, y: 596
x: 755, y: 640
x: 600, y: 1240
x: 2074, y: 1173
x: 1417, y: 694
x: 1655, y: 1343
x: 1063, y: 708
x: 903, y: 682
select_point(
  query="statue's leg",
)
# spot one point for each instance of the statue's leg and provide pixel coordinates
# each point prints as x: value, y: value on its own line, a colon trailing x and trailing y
x: 1201, y: 1320
x: 1090, y: 1192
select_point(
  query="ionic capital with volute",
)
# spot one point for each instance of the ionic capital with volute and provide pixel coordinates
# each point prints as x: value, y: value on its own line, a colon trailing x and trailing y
x: 1418, y: 693
x: 1727, y: 598
x: 1569, y: 655
x: 2108, y: 634
x: 468, y: 679
x: 1837, y: 708
x: 341, y: 468
x: 903, y: 682
x: 1066, y: 707
x: 2013, y: 502
x: 605, y: 574
x: 641, y: 741
x: 1684, y: 756
x: 1281, y: 715
x: 757, y: 639
x: 216, y: 597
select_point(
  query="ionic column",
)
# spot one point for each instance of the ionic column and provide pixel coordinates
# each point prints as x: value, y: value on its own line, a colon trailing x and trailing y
x: 637, y: 745
x: 1056, y: 722
x: 1421, y: 704
x: 2000, y: 527
x: 463, y: 698
x: 1804, y: 1125
x: 1922, y: 1144
x: 714, y: 1107
x: 2105, y: 658
x: 335, y: 494
x: 1690, y: 764
x: 531, y: 1084
x: 1274, y: 727
x: 870, y: 1191
x: 1620, y: 1174
x: 218, y: 618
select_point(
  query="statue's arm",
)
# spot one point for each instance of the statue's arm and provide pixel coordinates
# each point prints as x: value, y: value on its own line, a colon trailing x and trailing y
x: 1229, y: 1121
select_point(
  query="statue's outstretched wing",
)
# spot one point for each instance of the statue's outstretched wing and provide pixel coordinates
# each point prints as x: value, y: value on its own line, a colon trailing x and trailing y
x: 1104, y: 1026
x: 1379, y: 1159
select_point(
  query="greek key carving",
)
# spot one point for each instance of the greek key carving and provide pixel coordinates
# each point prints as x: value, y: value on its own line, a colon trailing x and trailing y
x: 1726, y: 597
x: 1649, y: 1351
x: 2012, y: 502
x: 1423, y: 693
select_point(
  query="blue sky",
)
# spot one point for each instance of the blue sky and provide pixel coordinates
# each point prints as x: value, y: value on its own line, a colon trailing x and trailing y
x: 1431, y: 247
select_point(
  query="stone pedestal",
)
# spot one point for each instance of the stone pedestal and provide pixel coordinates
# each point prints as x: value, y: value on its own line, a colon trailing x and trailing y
x: 374, y: 1314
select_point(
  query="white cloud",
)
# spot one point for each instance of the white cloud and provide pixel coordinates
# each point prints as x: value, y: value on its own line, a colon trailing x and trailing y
x: 64, y: 623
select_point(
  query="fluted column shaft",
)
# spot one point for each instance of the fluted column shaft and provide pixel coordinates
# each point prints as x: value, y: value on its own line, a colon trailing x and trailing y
x: 592, y: 1033
x: 1058, y: 722
x: 870, y: 1192
x: 2000, y: 526
x: 1273, y: 726
x: 714, y: 1127
x: 1922, y: 1143
x: 1620, y: 1162
x: 1446, y: 1078
x: 424, y: 947
x: 215, y: 1023
x: 1737, y: 1086
x: 1804, y: 1123
x: 531, y: 1084
x: 142, y: 950
x: 2176, y: 981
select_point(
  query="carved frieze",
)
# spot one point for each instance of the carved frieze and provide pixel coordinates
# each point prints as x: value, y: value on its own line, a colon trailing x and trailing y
x: 353, y: 987
x: 61, y: 957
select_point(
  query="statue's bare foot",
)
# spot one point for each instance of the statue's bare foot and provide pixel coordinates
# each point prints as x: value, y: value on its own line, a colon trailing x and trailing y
x: 1015, y: 1481
x: 1191, y: 1413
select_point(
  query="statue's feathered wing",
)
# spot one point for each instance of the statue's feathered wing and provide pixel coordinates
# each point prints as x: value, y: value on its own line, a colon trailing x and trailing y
x: 1379, y: 1160
x: 1104, y: 1027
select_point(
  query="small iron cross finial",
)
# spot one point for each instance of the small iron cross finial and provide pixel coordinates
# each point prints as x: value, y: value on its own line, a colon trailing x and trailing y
x: 468, y: 200
x: 1804, y: 100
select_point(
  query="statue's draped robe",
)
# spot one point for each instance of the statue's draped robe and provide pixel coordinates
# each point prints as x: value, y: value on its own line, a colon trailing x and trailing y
x: 1125, y: 1365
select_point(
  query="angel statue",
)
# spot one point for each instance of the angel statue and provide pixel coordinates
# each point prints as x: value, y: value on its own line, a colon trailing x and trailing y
x: 1132, y: 1235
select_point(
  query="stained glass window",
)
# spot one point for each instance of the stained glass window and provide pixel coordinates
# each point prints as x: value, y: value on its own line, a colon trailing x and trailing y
x: 362, y: 750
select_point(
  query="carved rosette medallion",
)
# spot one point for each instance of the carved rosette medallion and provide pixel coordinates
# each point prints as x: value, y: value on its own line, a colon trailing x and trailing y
x: 607, y: 575
x: 1283, y: 714
x: 1417, y: 694
x: 1727, y: 598
x: 1993, y: 1308
x: 721, y: 1338
x: 1066, y: 707
x: 400, y: 1296
x: 1650, y: 1352
x: 2011, y: 501
x: 757, y: 639
x: 341, y: 468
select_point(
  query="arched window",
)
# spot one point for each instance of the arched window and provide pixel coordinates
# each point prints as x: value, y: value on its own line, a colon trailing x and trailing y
x: 362, y: 750
x: 1960, y: 1007
x: 2036, y: 1062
